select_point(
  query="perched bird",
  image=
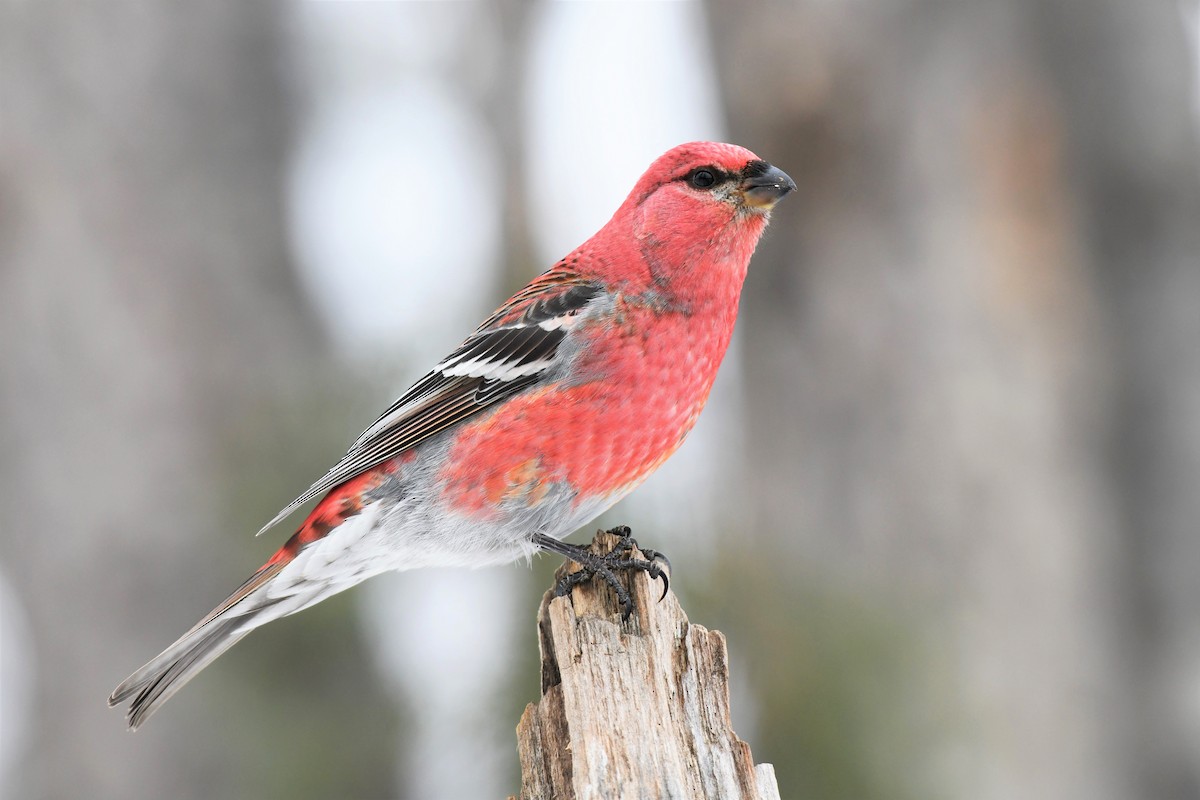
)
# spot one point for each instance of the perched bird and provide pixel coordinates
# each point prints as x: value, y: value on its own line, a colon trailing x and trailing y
x: 556, y: 407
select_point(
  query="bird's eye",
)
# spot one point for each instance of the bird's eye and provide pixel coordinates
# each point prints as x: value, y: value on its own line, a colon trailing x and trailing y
x: 702, y: 179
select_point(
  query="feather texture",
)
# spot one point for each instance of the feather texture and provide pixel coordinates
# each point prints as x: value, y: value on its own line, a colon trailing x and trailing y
x: 504, y: 356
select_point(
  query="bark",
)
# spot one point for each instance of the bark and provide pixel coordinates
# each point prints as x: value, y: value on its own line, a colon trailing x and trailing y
x: 636, y: 708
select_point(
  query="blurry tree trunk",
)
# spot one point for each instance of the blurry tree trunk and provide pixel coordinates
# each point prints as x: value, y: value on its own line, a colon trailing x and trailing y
x: 145, y: 292
x: 635, y: 708
x: 1127, y: 84
x: 501, y: 98
x: 930, y: 350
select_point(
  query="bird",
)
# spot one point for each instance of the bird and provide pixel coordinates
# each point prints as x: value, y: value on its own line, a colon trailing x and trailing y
x: 559, y: 404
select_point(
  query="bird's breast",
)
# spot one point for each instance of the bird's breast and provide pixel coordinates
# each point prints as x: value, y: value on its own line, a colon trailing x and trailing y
x: 633, y: 390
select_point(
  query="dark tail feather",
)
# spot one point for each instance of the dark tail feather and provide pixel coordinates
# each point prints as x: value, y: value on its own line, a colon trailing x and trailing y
x: 158, y: 681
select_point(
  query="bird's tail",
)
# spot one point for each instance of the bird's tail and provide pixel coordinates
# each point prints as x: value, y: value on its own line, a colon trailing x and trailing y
x: 240, y: 613
x: 316, y: 562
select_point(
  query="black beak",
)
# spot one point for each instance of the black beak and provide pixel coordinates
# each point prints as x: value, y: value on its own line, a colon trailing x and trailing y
x: 764, y: 185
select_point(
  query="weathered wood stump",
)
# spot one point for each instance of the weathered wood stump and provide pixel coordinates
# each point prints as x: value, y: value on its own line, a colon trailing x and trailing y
x: 632, y: 709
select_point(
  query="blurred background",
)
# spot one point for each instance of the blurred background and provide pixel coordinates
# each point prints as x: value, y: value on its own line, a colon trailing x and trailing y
x: 944, y: 501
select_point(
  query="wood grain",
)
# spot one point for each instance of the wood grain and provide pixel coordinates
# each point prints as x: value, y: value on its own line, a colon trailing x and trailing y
x: 632, y: 709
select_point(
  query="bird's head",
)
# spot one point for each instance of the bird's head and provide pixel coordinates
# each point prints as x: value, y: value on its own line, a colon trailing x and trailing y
x: 698, y: 205
x: 709, y: 181
x: 712, y: 179
x: 704, y: 193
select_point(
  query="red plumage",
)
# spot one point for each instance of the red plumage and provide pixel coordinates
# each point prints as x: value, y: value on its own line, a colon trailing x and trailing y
x: 559, y: 404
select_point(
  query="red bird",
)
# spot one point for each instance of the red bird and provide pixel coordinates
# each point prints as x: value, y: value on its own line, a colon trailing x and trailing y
x: 556, y: 407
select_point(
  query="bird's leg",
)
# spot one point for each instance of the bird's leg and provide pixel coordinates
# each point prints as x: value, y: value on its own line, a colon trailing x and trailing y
x: 605, y: 566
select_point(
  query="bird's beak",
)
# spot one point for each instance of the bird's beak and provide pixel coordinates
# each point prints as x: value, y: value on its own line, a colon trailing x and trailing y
x: 764, y: 185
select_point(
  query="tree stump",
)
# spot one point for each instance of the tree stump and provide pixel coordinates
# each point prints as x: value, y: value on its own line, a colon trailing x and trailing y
x: 632, y: 709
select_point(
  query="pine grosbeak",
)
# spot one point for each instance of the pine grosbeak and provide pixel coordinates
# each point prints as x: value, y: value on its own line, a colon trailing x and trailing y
x: 556, y: 407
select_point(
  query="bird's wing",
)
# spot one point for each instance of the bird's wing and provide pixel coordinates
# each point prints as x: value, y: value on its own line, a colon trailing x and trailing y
x: 506, y: 354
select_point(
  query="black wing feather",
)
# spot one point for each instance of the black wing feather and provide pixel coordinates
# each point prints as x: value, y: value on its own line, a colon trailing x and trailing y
x: 503, y: 350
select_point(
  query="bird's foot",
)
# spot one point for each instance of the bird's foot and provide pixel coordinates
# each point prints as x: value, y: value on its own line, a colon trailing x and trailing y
x: 605, y: 567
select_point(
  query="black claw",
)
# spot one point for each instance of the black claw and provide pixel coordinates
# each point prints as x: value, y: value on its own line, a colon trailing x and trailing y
x: 605, y: 566
x: 659, y: 572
